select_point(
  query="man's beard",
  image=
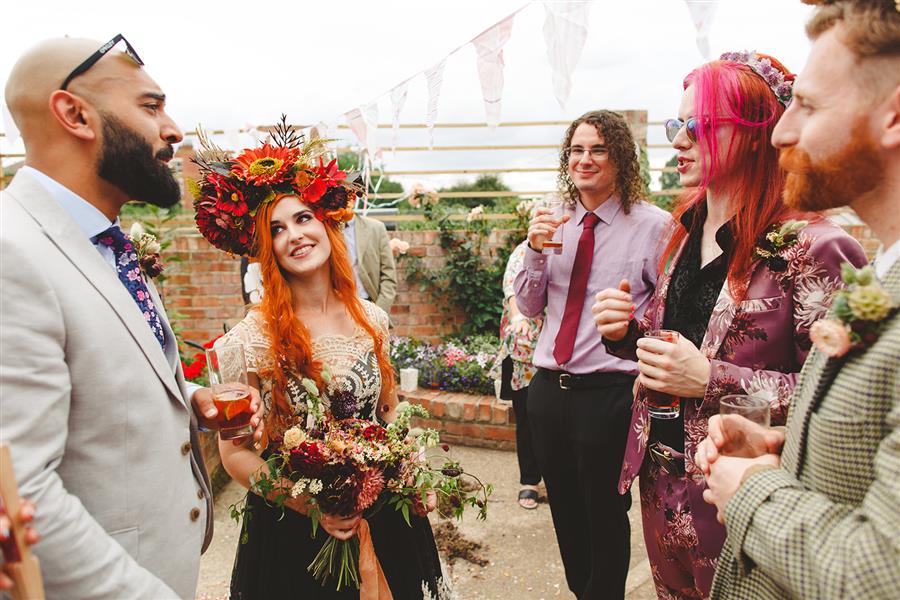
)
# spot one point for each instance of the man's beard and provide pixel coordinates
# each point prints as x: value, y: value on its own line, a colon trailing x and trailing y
x: 127, y: 161
x: 837, y: 180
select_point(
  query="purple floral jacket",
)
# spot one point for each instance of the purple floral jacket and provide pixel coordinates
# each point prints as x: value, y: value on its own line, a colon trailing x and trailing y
x: 756, y: 346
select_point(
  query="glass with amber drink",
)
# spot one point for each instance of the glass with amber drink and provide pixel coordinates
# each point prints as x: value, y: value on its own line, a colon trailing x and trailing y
x: 227, y: 368
x: 659, y: 404
x: 555, y: 243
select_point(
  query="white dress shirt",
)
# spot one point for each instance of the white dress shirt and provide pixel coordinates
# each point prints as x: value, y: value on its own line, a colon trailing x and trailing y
x: 885, y: 259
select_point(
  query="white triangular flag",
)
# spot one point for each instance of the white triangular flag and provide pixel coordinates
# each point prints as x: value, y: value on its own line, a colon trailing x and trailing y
x: 489, y: 55
x: 398, y: 99
x: 433, y: 79
x: 702, y: 13
x: 565, y: 32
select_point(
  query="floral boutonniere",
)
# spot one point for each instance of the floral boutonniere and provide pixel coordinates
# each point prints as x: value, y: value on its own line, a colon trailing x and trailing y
x: 860, y: 309
x: 778, y: 238
x: 147, y: 248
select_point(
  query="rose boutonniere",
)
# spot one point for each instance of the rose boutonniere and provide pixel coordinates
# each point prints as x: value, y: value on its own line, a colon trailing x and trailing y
x: 860, y: 311
x: 778, y: 238
x: 147, y: 248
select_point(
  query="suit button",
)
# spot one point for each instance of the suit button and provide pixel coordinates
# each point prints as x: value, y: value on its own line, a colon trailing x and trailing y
x: 186, y: 448
x: 195, y: 514
x: 200, y: 494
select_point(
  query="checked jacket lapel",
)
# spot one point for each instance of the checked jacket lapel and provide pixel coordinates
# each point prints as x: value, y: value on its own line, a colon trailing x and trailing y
x: 818, y: 373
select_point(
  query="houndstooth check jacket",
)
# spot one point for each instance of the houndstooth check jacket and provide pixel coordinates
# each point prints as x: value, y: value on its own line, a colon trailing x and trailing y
x: 827, y: 523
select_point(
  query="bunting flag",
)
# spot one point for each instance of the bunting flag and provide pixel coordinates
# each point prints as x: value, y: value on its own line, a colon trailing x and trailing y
x: 565, y: 32
x: 489, y: 53
x: 363, y: 122
x: 9, y: 126
x: 398, y: 99
x: 702, y: 13
x: 433, y: 78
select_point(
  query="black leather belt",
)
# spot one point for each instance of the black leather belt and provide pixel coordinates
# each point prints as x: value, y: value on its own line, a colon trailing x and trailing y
x: 669, y: 461
x: 571, y: 381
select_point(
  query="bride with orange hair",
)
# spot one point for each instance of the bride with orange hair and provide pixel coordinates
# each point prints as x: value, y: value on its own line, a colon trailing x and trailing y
x: 275, y: 205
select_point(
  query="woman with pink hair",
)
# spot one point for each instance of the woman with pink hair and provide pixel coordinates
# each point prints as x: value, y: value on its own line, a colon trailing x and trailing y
x: 742, y: 280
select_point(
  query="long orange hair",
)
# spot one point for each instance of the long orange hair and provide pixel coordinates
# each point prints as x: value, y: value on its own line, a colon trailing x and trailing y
x: 726, y: 91
x: 290, y: 342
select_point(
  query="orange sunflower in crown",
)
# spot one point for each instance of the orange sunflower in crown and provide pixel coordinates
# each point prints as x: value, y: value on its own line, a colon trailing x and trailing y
x: 266, y: 165
x: 231, y: 190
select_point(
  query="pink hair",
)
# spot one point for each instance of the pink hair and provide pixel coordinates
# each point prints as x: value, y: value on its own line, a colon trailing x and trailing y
x: 730, y: 92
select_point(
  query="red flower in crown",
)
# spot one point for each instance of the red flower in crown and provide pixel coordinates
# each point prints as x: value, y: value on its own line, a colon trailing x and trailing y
x: 229, y: 198
x: 266, y: 165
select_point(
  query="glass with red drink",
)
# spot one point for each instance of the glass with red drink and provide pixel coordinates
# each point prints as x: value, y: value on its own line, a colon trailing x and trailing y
x: 555, y: 243
x: 659, y: 404
x: 231, y: 391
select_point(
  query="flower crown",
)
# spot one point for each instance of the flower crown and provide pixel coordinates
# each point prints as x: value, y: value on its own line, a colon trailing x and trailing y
x: 782, y: 85
x: 231, y: 190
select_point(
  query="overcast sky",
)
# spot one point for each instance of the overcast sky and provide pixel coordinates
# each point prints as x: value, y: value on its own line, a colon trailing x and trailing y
x: 228, y: 64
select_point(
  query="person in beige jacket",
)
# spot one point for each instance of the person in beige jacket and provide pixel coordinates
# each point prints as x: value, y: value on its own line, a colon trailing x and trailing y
x: 373, y: 262
x: 93, y: 403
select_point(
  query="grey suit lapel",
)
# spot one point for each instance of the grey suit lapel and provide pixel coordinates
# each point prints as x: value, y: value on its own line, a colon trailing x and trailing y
x: 71, y: 241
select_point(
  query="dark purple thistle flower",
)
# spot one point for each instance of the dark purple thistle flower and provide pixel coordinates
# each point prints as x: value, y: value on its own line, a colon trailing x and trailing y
x: 343, y: 405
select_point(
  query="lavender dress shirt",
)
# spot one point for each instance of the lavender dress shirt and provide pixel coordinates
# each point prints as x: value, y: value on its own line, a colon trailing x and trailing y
x: 625, y: 247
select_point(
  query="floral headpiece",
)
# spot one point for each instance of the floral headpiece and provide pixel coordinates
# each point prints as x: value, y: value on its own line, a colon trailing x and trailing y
x: 782, y: 85
x: 231, y: 190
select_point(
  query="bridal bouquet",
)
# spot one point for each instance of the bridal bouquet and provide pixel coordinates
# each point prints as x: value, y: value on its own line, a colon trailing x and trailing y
x: 347, y: 466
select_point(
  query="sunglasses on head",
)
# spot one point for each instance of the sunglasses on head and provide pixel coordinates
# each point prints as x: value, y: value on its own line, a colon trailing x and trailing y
x: 96, y: 56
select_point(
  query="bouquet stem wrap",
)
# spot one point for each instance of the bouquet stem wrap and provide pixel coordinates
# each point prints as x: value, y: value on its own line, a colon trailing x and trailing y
x: 373, y: 585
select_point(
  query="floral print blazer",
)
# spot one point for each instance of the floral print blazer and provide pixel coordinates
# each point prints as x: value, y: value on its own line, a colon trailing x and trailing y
x: 756, y: 346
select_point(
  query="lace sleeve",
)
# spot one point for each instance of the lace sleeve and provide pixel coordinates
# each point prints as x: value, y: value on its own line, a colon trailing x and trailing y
x: 249, y: 332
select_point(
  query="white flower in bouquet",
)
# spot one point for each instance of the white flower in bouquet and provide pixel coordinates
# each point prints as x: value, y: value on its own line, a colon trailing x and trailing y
x: 293, y: 437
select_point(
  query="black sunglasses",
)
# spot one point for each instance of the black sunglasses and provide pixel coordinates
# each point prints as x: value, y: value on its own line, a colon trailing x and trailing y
x: 673, y: 126
x: 93, y: 58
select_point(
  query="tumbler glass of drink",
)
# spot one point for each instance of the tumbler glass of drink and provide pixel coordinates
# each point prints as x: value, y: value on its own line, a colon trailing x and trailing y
x: 555, y: 243
x: 231, y: 392
x: 659, y: 404
x: 750, y: 407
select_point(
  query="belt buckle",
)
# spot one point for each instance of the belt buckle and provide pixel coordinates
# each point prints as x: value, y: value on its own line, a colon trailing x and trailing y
x: 564, y: 379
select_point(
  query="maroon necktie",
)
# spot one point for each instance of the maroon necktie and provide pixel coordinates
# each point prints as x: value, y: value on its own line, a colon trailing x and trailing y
x: 581, y: 269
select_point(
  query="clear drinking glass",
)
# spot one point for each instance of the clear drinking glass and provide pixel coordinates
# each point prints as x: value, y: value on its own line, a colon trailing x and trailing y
x: 752, y: 408
x: 659, y: 404
x: 231, y: 392
x: 554, y: 244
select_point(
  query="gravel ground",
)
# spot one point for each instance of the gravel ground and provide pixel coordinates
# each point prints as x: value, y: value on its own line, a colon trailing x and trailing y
x: 519, y: 545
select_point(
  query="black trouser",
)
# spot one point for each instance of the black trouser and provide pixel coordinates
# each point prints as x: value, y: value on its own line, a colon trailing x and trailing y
x: 579, y: 441
x: 529, y: 473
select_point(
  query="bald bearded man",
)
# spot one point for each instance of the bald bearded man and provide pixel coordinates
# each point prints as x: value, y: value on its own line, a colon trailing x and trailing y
x: 92, y: 397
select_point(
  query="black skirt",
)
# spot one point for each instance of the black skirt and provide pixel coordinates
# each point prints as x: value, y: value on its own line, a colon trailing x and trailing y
x: 273, y: 563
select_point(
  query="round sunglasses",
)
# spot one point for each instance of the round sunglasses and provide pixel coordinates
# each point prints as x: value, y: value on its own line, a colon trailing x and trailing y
x: 673, y: 126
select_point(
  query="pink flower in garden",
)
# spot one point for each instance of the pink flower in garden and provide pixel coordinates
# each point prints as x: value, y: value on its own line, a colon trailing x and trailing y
x: 830, y: 337
x: 453, y: 355
x: 398, y: 246
x: 369, y: 488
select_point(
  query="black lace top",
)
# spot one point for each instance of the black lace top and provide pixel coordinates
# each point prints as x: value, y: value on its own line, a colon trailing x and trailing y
x: 692, y: 295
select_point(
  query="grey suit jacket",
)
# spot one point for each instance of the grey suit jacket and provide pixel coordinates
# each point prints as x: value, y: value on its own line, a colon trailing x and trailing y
x: 375, y: 262
x: 102, y: 438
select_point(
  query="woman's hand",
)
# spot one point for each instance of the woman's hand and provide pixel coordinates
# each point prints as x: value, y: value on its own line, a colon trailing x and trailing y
x: 676, y: 368
x: 613, y: 311
x: 543, y: 226
x: 342, y: 528
x: 518, y: 325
